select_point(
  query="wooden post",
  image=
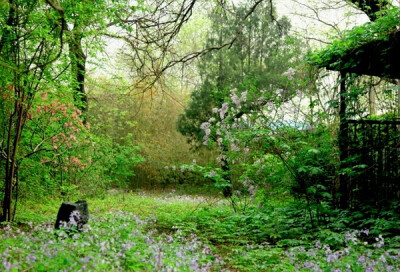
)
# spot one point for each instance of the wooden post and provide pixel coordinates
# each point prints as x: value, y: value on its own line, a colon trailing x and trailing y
x: 398, y: 83
x: 343, y: 146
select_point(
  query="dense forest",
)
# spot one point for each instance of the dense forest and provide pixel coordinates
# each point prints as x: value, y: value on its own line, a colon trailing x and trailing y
x: 199, y: 135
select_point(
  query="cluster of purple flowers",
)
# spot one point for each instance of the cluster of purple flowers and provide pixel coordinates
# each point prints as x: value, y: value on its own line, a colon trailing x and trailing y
x: 356, y: 256
x: 117, y: 241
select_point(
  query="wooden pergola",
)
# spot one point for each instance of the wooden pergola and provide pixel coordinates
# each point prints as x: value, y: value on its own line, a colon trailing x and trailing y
x: 379, y: 58
x: 376, y: 143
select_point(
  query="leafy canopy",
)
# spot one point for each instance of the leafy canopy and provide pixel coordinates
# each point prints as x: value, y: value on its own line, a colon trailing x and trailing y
x: 380, y: 29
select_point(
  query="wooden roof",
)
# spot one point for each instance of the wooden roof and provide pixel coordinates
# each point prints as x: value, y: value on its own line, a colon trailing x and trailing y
x: 379, y: 58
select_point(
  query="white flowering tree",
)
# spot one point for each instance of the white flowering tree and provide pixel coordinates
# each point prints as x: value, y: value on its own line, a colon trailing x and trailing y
x: 266, y: 145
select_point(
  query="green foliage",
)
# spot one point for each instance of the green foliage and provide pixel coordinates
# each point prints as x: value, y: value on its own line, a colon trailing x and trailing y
x: 257, y: 59
x: 34, y: 61
x: 315, y: 164
x: 379, y: 29
x: 132, y: 231
x: 106, y: 244
x: 281, y: 169
x: 112, y: 165
x: 261, y: 155
x: 147, y: 121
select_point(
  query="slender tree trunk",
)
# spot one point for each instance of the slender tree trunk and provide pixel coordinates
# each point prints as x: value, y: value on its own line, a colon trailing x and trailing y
x: 372, y: 101
x: 78, y: 63
x: 8, y: 177
x: 16, y: 121
x: 227, y: 190
x: 343, y: 129
x: 6, y: 50
x: 398, y: 99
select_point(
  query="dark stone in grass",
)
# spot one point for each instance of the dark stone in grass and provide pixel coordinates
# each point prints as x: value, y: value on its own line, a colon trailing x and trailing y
x: 72, y: 215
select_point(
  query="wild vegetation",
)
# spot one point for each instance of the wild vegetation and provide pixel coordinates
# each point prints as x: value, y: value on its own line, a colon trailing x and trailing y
x: 205, y: 136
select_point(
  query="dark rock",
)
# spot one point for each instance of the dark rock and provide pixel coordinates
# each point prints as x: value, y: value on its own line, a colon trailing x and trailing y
x: 72, y: 215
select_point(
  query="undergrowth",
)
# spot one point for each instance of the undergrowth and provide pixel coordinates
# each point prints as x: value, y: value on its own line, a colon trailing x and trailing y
x: 172, y: 232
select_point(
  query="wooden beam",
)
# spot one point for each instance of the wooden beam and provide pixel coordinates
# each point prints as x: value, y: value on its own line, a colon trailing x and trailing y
x: 378, y: 58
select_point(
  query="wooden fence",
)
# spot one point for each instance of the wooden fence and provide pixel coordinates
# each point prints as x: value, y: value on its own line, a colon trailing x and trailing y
x: 372, y: 162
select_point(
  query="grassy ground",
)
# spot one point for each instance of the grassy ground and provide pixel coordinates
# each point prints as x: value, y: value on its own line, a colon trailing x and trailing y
x: 166, y: 231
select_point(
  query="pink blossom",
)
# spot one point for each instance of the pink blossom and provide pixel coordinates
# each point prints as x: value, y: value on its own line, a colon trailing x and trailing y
x: 44, y: 96
x: 68, y: 125
x: 75, y: 160
x: 72, y: 138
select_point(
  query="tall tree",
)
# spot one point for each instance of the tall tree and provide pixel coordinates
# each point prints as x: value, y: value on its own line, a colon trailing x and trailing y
x: 33, y: 58
x: 257, y: 59
x: 44, y: 46
x: 31, y: 41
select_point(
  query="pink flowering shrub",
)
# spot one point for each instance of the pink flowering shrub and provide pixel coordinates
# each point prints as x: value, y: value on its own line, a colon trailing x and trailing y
x: 54, y: 145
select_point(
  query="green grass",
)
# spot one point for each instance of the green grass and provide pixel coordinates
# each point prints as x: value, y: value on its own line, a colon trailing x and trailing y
x: 156, y: 231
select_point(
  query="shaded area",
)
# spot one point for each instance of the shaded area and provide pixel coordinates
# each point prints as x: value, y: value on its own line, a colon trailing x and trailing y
x: 379, y: 58
x: 369, y: 150
x: 372, y: 154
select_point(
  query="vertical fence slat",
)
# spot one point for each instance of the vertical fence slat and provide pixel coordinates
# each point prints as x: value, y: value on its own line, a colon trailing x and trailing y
x: 376, y: 144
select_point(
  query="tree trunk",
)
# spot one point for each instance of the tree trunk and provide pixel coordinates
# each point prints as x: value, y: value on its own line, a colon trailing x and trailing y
x: 398, y: 83
x: 78, y: 63
x: 12, y: 154
x: 372, y: 101
x: 343, y: 129
x: 6, y: 50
